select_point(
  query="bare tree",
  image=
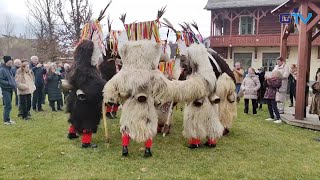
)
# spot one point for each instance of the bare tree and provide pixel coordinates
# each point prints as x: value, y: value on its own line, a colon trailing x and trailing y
x: 79, y: 14
x: 8, y: 28
x: 44, y: 24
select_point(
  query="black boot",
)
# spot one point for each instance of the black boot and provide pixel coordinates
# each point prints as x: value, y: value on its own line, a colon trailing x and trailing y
x: 125, y: 151
x: 54, y: 109
x: 210, y: 145
x: 72, y: 136
x: 87, y: 145
x: 59, y: 108
x: 226, y: 131
x: 193, y: 146
x: 147, y: 152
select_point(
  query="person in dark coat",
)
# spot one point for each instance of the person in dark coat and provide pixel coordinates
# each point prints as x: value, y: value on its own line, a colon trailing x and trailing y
x: 39, y: 71
x: 53, y: 88
x: 261, y: 73
x: 84, y: 102
x: 7, y: 84
x: 292, y: 83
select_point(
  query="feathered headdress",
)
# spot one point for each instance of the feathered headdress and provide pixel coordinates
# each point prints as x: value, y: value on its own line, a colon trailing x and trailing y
x: 144, y: 30
x: 93, y: 31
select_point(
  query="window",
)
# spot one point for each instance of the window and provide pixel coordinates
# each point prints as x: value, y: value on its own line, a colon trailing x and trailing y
x: 269, y: 60
x: 245, y: 59
x: 246, y: 25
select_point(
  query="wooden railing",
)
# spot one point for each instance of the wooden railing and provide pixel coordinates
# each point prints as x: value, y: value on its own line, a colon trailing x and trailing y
x: 255, y: 40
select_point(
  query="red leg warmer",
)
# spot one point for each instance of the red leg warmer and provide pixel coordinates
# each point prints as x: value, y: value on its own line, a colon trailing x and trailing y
x: 86, y: 137
x: 148, y: 143
x: 109, y: 109
x: 72, y: 130
x: 194, y: 141
x: 125, y: 139
x: 212, y: 141
x: 115, y: 108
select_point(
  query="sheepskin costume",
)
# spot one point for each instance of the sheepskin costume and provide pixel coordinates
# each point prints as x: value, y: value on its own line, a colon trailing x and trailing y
x: 84, y: 102
x: 225, y: 90
x: 133, y: 86
x: 227, y: 106
x: 201, y: 116
x: 171, y: 70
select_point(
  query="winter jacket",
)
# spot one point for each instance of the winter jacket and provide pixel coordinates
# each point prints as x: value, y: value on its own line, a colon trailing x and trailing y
x: 250, y: 86
x: 315, y: 104
x: 239, y: 77
x: 53, y: 87
x: 38, y: 75
x: 7, y: 82
x: 25, y: 82
x: 14, y: 70
x: 291, y: 84
x: 284, y: 70
x: 272, y: 85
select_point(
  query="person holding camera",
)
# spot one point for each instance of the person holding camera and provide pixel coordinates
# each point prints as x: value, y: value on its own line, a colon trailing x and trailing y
x: 38, y: 71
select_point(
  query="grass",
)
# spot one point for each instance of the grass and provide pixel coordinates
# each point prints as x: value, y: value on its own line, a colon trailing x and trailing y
x: 255, y: 149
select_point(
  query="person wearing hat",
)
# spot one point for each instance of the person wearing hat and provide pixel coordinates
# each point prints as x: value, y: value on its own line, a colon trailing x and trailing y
x: 7, y: 84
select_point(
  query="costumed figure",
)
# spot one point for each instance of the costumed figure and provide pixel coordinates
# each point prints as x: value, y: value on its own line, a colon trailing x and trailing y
x: 225, y: 87
x: 141, y: 87
x: 84, y: 102
x: 226, y: 90
x: 171, y: 69
x: 109, y: 65
x: 200, y: 116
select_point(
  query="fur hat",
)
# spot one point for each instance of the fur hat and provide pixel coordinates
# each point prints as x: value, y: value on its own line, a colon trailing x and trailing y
x: 7, y: 58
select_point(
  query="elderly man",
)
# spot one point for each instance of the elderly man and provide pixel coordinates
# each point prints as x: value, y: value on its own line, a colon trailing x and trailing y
x: 281, y: 94
x: 238, y: 74
x: 39, y: 71
x: 7, y: 84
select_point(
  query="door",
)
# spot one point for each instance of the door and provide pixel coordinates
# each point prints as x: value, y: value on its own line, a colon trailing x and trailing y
x: 245, y: 59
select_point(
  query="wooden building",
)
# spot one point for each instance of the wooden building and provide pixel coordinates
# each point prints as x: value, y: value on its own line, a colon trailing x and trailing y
x: 246, y: 31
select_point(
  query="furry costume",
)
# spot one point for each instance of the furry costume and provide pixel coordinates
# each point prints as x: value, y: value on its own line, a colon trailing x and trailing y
x: 142, y: 87
x: 84, y: 103
x: 227, y: 106
x: 200, y: 117
x: 225, y: 90
x: 171, y: 70
x: 84, y: 108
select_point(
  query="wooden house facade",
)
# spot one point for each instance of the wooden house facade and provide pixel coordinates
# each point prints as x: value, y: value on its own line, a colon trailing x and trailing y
x: 246, y: 31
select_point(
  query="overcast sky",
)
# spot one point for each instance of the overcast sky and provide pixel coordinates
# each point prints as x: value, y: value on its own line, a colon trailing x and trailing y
x: 141, y: 10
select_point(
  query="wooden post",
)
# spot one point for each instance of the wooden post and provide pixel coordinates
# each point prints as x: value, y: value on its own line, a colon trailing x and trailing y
x: 212, y: 22
x: 303, y: 50
x: 283, y: 43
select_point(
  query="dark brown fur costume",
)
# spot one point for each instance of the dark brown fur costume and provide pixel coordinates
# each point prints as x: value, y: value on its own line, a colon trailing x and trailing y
x: 85, y: 114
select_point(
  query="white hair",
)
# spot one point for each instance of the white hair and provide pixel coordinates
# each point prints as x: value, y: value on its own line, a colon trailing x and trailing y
x: 17, y: 61
x: 34, y: 58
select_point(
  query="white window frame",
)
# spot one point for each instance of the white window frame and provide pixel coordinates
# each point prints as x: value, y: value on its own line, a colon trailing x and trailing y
x: 253, y: 24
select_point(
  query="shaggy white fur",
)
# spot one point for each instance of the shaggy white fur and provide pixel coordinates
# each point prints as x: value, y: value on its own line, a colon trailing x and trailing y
x: 227, y: 106
x: 202, y: 122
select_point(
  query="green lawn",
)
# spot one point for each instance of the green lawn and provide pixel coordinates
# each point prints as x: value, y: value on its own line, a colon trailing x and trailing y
x: 255, y: 149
